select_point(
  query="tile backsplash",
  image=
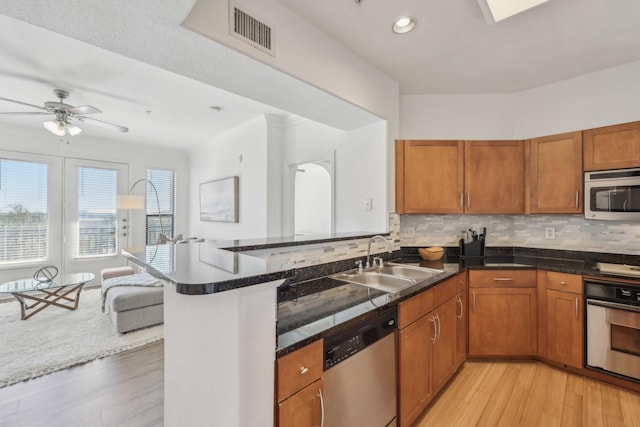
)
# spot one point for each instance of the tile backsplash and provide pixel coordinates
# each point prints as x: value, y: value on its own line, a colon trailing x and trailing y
x: 572, y: 232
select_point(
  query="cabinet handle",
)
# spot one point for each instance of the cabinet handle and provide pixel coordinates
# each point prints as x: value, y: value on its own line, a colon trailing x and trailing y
x: 577, y: 198
x: 461, y: 308
x: 503, y: 279
x: 439, y: 325
x: 303, y: 370
x: 576, y: 308
x: 321, y: 407
x: 468, y: 200
x: 435, y: 329
x: 473, y: 294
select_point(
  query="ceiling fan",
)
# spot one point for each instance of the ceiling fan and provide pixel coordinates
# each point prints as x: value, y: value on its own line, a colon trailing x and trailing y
x: 64, y: 113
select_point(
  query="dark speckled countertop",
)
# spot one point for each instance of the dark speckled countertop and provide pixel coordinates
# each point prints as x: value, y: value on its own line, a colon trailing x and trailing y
x: 317, y: 308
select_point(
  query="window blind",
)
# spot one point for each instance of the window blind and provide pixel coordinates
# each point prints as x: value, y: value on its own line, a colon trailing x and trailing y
x: 23, y: 211
x: 97, y: 215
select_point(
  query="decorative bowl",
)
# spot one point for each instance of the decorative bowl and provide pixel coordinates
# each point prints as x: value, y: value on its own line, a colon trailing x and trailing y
x: 433, y: 253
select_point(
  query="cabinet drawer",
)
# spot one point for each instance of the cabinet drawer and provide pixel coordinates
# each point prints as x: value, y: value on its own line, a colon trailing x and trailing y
x: 502, y: 278
x: 411, y: 310
x: 564, y: 282
x: 444, y: 291
x: 299, y: 369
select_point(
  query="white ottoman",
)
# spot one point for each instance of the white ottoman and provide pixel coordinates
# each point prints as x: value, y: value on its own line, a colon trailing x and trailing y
x: 132, y: 307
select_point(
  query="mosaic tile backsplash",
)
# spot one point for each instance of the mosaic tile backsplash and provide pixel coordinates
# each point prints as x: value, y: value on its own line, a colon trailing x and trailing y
x: 572, y: 232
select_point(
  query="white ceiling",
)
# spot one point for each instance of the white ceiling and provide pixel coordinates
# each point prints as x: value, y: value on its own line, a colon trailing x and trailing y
x: 38, y: 60
x: 454, y: 50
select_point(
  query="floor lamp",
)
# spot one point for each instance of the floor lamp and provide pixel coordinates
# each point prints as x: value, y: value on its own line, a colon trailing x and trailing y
x: 133, y: 202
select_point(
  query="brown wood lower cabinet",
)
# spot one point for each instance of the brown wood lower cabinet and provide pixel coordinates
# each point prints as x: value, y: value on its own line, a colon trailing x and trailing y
x: 428, y: 349
x: 461, y: 328
x: 302, y: 409
x: 502, y: 322
x: 299, y: 387
x: 414, y: 360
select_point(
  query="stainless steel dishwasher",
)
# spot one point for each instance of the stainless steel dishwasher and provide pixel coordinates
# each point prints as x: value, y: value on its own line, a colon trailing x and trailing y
x: 360, y: 374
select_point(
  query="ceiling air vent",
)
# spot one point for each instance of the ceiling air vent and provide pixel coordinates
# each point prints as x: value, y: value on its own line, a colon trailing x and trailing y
x: 250, y: 30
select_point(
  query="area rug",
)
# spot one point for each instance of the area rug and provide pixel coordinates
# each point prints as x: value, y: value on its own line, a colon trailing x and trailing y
x: 56, y: 338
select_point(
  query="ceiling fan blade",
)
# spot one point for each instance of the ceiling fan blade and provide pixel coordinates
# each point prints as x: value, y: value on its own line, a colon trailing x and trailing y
x: 23, y: 103
x: 30, y: 113
x: 84, y: 109
x: 103, y: 124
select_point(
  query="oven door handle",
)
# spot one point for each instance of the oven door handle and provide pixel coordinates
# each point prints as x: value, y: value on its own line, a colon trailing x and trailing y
x: 606, y: 304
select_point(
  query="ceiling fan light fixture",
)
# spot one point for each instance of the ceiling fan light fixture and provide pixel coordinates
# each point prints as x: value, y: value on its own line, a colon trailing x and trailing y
x: 56, y: 127
x: 404, y: 25
x: 73, y: 129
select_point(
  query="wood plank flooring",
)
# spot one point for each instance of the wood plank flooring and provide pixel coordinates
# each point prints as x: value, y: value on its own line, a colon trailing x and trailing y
x: 529, y: 394
x: 123, y: 390
x: 126, y: 390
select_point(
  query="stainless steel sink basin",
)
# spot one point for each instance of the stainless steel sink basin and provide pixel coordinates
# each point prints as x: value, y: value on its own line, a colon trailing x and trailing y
x: 373, y: 279
x: 418, y: 273
x: 390, y: 278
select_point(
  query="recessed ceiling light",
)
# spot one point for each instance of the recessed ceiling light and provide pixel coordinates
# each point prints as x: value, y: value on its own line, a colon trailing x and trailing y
x: 497, y: 10
x: 404, y: 25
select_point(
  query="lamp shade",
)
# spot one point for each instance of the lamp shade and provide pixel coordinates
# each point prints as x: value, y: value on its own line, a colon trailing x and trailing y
x: 127, y: 201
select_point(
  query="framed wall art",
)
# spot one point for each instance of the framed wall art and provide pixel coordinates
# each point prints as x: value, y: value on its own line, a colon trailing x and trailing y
x: 219, y: 200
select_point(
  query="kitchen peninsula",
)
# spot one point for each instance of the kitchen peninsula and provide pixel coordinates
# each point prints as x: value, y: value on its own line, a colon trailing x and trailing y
x: 220, y: 326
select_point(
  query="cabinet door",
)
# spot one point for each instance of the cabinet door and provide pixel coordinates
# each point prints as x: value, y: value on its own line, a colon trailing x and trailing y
x: 429, y: 176
x: 444, y: 347
x: 564, y: 328
x: 555, y: 180
x: 612, y: 147
x: 302, y: 409
x: 502, y: 322
x: 494, y: 177
x: 461, y: 328
x: 415, y: 353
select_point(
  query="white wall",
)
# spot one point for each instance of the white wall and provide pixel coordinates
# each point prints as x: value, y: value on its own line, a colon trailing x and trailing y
x: 488, y: 116
x: 241, y: 152
x: 602, y: 98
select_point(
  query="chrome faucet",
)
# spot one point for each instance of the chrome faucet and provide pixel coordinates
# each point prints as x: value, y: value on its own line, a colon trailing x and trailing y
x: 389, y: 248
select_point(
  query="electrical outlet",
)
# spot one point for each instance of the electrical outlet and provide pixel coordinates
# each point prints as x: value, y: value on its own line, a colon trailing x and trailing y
x: 407, y: 232
x: 549, y: 233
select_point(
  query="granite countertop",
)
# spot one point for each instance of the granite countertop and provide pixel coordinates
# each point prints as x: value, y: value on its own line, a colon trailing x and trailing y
x: 204, y: 267
x: 317, y: 308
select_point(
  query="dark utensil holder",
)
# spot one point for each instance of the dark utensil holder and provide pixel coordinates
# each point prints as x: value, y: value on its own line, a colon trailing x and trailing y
x: 474, y: 248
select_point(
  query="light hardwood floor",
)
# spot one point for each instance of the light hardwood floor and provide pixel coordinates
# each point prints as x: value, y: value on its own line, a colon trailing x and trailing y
x: 126, y: 390
x: 529, y: 394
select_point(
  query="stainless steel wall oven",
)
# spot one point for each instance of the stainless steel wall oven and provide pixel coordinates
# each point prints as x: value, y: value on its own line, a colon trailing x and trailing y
x: 613, y: 328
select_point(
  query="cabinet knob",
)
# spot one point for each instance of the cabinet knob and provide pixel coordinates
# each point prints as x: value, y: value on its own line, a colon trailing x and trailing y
x: 563, y: 283
x: 303, y: 370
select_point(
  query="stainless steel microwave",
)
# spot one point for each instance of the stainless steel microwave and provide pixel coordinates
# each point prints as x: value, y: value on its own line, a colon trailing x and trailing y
x: 612, y: 195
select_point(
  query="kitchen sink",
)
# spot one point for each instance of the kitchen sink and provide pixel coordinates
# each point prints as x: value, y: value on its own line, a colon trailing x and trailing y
x: 390, y: 278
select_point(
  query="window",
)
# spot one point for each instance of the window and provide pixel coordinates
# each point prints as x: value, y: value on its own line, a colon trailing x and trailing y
x: 164, y: 182
x: 24, y: 219
x: 97, y: 221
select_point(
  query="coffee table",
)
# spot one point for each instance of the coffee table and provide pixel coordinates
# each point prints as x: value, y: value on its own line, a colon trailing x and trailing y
x: 34, y: 296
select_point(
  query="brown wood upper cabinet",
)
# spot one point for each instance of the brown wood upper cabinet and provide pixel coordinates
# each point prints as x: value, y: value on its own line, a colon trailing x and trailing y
x: 612, y: 147
x: 456, y: 176
x: 494, y: 177
x: 429, y: 176
x: 555, y: 174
